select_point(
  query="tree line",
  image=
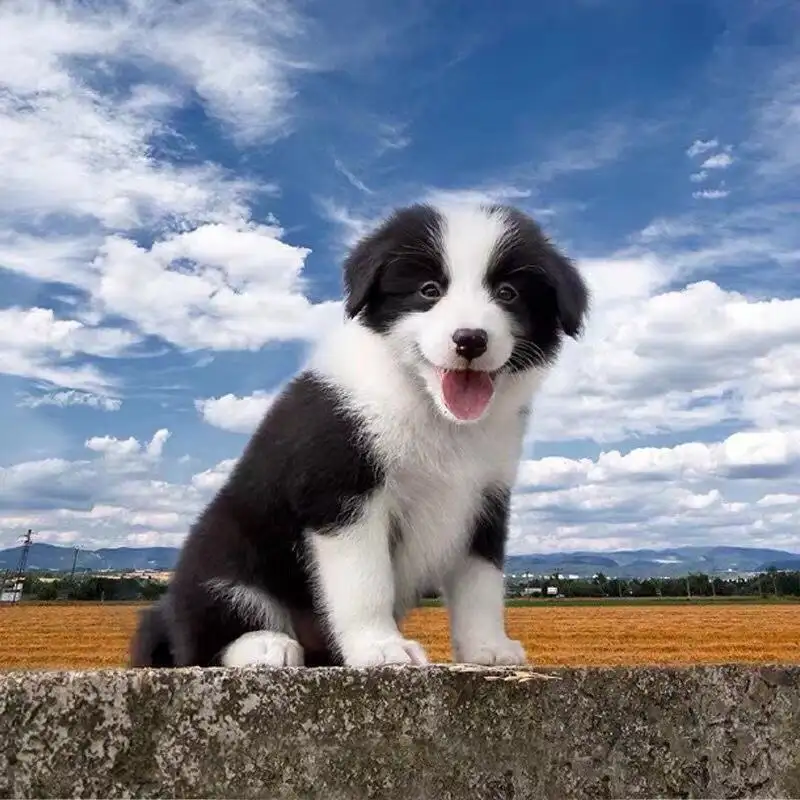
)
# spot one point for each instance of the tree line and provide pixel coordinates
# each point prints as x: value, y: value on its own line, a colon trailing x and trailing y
x: 93, y: 588
x: 771, y: 582
x: 778, y: 583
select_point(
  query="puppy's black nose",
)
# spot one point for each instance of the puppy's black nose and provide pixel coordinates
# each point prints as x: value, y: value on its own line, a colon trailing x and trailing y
x: 471, y: 342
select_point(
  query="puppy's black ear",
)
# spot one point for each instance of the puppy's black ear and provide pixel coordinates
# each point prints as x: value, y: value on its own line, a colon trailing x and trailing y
x: 362, y: 269
x: 572, y: 294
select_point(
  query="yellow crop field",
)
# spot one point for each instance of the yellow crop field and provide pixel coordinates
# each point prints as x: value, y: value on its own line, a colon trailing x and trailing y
x: 91, y: 635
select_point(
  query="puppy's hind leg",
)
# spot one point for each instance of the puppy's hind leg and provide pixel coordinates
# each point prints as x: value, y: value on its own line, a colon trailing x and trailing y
x: 265, y: 648
x: 271, y: 640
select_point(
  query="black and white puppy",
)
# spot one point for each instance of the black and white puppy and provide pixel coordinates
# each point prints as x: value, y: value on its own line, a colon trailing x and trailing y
x: 384, y: 469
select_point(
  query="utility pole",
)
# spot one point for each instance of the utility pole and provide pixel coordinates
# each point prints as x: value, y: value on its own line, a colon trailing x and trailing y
x: 74, y: 562
x: 27, y: 541
x: 19, y: 577
x: 688, y: 589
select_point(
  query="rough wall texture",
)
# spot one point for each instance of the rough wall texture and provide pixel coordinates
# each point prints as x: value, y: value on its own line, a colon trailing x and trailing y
x: 437, y: 732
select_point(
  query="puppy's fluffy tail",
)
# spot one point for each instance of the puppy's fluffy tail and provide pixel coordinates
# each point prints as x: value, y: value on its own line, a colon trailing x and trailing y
x: 150, y: 646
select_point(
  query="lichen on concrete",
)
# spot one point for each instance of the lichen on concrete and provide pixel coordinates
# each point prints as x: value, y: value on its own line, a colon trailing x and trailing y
x: 435, y: 732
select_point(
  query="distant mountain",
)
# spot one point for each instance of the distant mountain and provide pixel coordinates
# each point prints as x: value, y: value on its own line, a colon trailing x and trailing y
x: 53, y: 557
x: 622, y: 563
x: 656, y: 563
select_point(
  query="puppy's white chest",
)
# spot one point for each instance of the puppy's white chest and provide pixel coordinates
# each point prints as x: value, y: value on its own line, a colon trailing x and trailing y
x: 435, y: 501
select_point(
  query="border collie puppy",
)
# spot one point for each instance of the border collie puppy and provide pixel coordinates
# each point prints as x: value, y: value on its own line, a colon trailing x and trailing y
x: 383, y: 470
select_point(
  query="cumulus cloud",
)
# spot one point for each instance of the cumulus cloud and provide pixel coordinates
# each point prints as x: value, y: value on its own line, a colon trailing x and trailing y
x: 35, y: 344
x: 236, y: 414
x: 741, y: 490
x: 130, y: 448
x: 211, y: 480
x: 94, y: 198
x: 656, y: 360
x: 115, y: 496
x: 662, y: 496
x: 219, y: 286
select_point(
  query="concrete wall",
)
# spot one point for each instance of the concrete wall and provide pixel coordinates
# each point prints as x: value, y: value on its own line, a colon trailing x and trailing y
x: 440, y: 732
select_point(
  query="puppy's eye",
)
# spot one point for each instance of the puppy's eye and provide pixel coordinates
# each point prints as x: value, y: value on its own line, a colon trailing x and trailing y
x: 430, y: 290
x: 506, y: 293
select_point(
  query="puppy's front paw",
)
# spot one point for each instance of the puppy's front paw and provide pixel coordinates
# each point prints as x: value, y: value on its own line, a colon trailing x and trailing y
x: 502, y: 652
x: 368, y: 651
x: 266, y: 648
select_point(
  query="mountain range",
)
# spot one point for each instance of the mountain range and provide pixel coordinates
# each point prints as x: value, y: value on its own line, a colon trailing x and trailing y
x: 621, y: 563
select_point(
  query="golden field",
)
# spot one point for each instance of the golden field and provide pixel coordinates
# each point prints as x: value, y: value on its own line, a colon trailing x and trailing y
x: 91, y: 635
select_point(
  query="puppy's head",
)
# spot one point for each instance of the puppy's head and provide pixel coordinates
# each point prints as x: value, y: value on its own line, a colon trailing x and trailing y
x: 467, y: 296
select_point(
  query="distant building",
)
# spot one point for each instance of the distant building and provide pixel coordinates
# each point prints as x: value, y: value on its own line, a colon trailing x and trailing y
x: 11, y: 592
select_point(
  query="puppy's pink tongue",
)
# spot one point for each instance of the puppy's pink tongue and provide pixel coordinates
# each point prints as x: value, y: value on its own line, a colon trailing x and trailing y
x: 466, y: 392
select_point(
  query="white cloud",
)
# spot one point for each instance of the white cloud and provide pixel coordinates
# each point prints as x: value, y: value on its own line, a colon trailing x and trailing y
x: 219, y: 286
x: 155, y: 446
x: 34, y: 343
x: 130, y: 448
x: 491, y: 193
x: 662, y: 497
x: 249, y: 92
x: 586, y: 150
x: 357, y: 183
x: 237, y: 414
x: 741, y: 490
x: 211, y: 480
x: 392, y: 136
x: 718, y: 161
x: 741, y: 456
x: 113, y: 497
x: 49, y: 257
x: 698, y: 177
x: 91, y: 202
x: 711, y: 194
x: 779, y: 500
x: 699, y: 146
x: 72, y: 398
x: 776, y: 135
x: 655, y: 360
x: 352, y: 226
x: 760, y: 236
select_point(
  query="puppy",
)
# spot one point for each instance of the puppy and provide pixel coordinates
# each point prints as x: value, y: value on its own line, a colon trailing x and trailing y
x: 384, y: 469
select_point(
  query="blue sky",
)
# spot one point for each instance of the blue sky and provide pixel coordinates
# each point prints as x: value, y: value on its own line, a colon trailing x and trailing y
x: 180, y: 182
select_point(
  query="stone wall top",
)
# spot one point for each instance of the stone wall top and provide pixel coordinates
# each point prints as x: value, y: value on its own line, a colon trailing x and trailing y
x: 442, y: 732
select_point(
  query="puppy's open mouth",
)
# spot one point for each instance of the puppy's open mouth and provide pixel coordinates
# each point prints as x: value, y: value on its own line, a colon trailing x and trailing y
x: 466, y: 392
